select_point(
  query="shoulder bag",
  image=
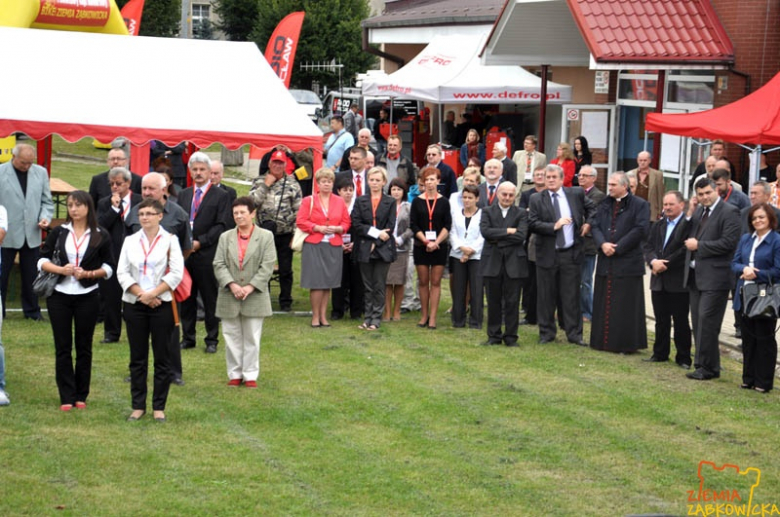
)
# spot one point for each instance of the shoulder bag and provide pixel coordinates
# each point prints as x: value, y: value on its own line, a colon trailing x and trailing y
x: 299, y: 236
x: 761, y: 300
x: 45, y: 282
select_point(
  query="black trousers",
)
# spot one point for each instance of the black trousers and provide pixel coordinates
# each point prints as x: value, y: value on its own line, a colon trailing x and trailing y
x: 759, y: 350
x: 466, y: 275
x: 529, y: 294
x: 73, y: 319
x: 503, y: 295
x: 350, y: 294
x: 374, y: 274
x: 204, y: 283
x: 28, y: 267
x: 668, y: 307
x: 111, y: 296
x: 284, y: 258
x: 559, y: 280
x: 144, y: 322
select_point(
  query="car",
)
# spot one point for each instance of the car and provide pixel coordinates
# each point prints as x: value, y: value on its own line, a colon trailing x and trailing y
x: 309, y: 102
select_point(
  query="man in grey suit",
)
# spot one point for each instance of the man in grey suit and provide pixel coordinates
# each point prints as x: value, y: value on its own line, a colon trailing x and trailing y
x: 713, y: 237
x: 503, y: 264
x: 25, y: 193
x: 559, y: 217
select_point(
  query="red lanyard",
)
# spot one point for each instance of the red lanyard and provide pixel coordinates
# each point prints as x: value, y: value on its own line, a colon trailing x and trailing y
x: 728, y: 194
x: 124, y: 212
x: 243, y: 244
x: 196, y: 205
x: 78, y: 244
x: 431, y: 209
x: 147, y: 253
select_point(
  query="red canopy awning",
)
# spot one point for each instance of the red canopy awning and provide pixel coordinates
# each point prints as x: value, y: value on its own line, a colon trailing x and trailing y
x: 754, y: 119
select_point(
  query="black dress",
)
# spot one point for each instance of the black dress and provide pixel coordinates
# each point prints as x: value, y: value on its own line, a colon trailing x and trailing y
x: 420, y: 221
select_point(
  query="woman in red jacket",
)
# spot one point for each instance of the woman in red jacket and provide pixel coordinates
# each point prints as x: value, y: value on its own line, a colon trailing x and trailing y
x: 565, y: 159
x: 325, y: 217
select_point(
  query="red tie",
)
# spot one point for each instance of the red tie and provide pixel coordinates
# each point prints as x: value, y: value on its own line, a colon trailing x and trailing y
x: 358, y: 187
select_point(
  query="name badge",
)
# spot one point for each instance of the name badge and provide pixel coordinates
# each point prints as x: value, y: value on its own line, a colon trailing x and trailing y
x: 430, y: 235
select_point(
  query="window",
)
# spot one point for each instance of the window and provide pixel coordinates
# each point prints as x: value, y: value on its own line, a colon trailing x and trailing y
x: 200, y: 12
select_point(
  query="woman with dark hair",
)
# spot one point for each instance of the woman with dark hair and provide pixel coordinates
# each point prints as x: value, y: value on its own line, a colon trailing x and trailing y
x: 466, y: 244
x: 402, y: 233
x: 472, y: 149
x: 582, y: 155
x: 430, y: 220
x: 243, y: 265
x: 171, y: 189
x: 757, y: 260
x: 85, y: 255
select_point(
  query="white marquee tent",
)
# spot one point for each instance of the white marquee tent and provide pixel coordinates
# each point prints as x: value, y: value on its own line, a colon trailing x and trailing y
x: 104, y: 86
x: 449, y: 70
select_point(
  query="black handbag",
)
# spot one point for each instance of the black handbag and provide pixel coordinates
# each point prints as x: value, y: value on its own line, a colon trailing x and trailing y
x: 44, y: 283
x: 761, y: 300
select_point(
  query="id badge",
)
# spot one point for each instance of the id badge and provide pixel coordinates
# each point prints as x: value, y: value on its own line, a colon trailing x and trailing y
x: 430, y: 235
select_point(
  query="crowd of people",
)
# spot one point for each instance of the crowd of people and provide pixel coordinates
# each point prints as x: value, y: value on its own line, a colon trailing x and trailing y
x: 522, y: 235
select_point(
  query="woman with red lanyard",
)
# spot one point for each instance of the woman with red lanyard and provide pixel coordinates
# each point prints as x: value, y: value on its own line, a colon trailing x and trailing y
x: 565, y: 159
x: 430, y: 220
x: 243, y: 264
x: 373, y: 223
x: 85, y: 256
x: 150, y: 268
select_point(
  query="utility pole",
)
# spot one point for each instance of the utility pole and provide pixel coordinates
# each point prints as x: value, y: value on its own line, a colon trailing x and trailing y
x: 184, y: 30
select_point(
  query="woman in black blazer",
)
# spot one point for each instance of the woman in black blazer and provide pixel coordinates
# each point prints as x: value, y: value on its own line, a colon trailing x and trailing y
x: 373, y: 221
x: 86, y: 257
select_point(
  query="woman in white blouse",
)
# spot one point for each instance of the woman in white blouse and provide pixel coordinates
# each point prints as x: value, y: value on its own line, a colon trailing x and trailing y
x: 150, y: 268
x: 466, y: 243
x: 85, y: 256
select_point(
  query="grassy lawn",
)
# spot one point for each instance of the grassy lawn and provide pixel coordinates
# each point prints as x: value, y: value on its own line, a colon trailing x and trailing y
x: 403, y: 421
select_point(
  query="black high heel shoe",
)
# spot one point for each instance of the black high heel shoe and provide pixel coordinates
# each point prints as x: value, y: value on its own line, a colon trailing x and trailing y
x: 423, y: 324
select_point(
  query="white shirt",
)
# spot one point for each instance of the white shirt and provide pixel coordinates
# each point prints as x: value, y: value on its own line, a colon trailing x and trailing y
x: 138, y: 251
x: 75, y: 250
x: 563, y: 204
x: 124, y: 205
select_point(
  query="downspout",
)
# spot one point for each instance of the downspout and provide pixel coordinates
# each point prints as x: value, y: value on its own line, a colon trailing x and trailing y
x: 384, y: 55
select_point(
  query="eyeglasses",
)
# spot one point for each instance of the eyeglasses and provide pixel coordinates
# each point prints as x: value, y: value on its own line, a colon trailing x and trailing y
x: 432, y: 154
x: 148, y: 214
x: 117, y: 159
x: 116, y: 183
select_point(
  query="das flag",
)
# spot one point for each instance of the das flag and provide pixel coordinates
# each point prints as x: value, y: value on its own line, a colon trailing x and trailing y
x: 280, y: 52
x: 131, y: 14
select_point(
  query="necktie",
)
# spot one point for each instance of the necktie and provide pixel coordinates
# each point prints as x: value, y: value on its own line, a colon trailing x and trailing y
x: 196, y: 203
x: 703, y: 221
x: 528, y: 163
x: 492, y: 193
x: 358, y: 186
x: 560, y: 240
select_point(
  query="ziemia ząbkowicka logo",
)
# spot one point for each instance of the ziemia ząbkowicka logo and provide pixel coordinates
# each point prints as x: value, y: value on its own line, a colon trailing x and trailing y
x: 727, y: 490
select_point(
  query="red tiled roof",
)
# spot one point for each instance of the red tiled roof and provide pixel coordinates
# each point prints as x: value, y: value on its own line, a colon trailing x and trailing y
x: 652, y: 31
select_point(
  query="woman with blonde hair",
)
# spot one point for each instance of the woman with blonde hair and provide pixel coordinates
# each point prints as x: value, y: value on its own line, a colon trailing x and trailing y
x: 564, y: 158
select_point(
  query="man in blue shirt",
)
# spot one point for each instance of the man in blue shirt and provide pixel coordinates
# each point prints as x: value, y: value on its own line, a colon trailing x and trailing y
x: 340, y: 140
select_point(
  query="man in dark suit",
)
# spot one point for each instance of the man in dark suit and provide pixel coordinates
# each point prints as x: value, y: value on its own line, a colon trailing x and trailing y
x: 489, y: 189
x: 217, y: 173
x: 208, y: 209
x: 112, y: 211
x: 530, y: 286
x: 560, y: 217
x: 99, y: 187
x: 664, y: 253
x: 448, y: 184
x: 509, y: 167
x: 713, y: 237
x: 504, y: 227
x: 357, y: 171
x: 587, y: 179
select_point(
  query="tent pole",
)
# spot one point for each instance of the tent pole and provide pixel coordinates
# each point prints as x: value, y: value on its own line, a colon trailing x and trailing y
x: 543, y: 108
x: 660, y: 90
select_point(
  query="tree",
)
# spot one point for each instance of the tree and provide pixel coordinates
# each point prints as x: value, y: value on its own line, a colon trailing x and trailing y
x: 160, y: 17
x: 237, y: 18
x: 202, y: 29
x: 331, y: 29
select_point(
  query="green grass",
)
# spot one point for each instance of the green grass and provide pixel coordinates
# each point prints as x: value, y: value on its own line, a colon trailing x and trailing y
x: 403, y: 421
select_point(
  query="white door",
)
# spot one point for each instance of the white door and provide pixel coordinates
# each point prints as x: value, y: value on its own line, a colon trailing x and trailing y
x: 596, y: 122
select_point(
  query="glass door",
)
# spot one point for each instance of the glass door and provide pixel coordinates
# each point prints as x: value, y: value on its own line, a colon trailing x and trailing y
x: 596, y: 122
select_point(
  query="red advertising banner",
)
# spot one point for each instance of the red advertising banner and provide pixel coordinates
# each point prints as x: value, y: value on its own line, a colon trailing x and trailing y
x: 87, y: 13
x: 280, y: 52
x: 131, y: 14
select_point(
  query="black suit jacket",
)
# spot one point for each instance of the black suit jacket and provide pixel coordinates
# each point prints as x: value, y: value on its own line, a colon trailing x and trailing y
x: 484, y: 195
x: 363, y: 220
x: 99, y: 187
x: 671, y: 280
x: 210, y: 221
x: 541, y: 220
x: 500, y: 247
x: 347, y: 176
x: 98, y: 251
x: 112, y: 221
x: 509, y: 171
x: 630, y: 229
x: 448, y: 184
x: 718, y: 240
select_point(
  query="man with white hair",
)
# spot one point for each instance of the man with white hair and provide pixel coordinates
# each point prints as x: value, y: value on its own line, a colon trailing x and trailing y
x: 25, y: 194
x: 370, y: 163
x: 363, y: 140
x: 208, y: 209
x: 509, y: 170
x: 650, y: 184
x: 397, y: 165
x: 217, y: 173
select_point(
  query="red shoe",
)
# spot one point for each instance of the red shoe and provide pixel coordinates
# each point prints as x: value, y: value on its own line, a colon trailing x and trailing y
x: 66, y: 407
x: 81, y: 405
x: 251, y: 384
x: 234, y: 382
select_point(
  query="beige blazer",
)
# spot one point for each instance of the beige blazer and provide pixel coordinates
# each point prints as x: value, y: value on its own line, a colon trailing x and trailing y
x: 258, y: 265
x: 521, y: 160
x: 656, y: 190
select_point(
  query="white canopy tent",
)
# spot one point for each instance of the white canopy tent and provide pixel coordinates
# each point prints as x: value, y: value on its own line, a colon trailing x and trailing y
x: 449, y: 70
x: 105, y: 86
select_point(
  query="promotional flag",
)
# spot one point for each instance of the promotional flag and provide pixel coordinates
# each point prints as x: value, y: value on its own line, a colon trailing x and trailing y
x: 131, y: 14
x: 280, y: 52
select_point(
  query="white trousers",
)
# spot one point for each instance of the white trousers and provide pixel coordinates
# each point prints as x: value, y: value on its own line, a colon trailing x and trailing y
x: 242, y: 346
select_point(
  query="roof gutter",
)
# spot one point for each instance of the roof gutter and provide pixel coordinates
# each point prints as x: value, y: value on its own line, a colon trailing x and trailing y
x: 384, y: 55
